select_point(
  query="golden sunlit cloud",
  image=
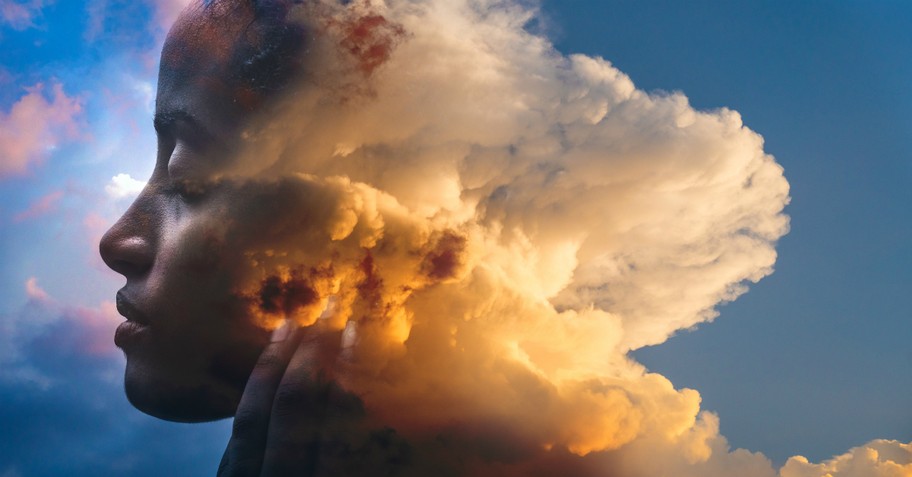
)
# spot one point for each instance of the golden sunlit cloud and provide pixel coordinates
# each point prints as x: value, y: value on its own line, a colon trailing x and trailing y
x: 490, y: 227
x: 879, y: 458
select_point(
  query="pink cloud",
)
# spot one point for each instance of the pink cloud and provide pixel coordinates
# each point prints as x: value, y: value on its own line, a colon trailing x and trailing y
x: 36, y: 293
x: 166, y: 11
x: 88, y: 331
x: 97, y: 329
x: 20, y: 15
x: 97, y: 10
x: 42, y: 206
x: 35, y: 125
x: 94, y: 226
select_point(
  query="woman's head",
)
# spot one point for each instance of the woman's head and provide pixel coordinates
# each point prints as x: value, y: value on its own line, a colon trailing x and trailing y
x: 481, y: 222
x: 224, y: 243
x: 190, y: 341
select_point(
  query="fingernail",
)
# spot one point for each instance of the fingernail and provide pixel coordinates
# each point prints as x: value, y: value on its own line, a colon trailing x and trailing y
x: 281, y: 333
x: 349, y: 335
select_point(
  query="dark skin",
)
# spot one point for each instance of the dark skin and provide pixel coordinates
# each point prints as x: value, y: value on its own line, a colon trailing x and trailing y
x: 278, y: 426
x: 189, y: 342
x: 193, y: 351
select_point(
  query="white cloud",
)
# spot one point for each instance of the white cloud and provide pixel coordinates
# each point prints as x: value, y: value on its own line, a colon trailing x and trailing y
x: 145, y: 90
x: 123, y: 186
x: 879, y: 458
x: 590, y: 218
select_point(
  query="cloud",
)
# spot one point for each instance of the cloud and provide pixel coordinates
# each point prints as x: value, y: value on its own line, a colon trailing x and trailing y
x: 61, y: 390
x: 492, y: 226
x: 44, y: 205
x: 21, y: 14
x: 97, y: 11
x: 44, y: 327
x: 123, y: 186
x: 45, y: 337
x: 879, y: 458
x: 35, y: 125
x: 166, y: 12
x: 34, y: 292
x: 504, y: 224
x: 95, y: 226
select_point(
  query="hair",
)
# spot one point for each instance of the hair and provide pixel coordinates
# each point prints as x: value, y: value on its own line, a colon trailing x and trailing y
x: 274, y: 47
x: 271, y: 50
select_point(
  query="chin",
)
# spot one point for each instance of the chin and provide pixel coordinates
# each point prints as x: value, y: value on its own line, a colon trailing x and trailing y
x: 179, y: 395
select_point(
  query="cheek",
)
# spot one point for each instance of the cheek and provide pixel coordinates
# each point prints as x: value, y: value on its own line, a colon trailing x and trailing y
x: 194, y: 246
x: 197, y: 266
x: 199, y: 242
x: 200, y: 251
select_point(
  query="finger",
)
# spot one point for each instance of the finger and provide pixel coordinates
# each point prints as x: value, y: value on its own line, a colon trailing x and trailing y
x: 345, y: 440
x: 244, y: 454
x: 298, y: 410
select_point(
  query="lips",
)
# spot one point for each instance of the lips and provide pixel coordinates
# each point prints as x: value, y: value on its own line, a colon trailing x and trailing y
x: 128, y: 310
x: 136, y: 326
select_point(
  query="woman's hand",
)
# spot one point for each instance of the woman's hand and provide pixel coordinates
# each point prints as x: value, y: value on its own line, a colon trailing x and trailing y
x: 294, y: 419
x: 278, y: 426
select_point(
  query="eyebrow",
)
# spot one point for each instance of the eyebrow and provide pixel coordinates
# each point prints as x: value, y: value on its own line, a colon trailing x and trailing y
x: 165, y: 122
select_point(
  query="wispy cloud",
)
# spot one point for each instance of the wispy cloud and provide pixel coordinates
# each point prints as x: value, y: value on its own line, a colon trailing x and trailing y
x: 44, y: 205
x: 35, y: 125
x: 21, y: 14
x: 97, y: 11
x: 34, y: 292
x: 166, y: 11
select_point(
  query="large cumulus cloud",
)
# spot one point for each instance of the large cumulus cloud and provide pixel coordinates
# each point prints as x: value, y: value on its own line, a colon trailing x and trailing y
x: 492, y: 226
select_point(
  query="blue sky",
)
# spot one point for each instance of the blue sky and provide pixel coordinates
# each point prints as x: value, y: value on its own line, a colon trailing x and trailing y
x: 814, y: 360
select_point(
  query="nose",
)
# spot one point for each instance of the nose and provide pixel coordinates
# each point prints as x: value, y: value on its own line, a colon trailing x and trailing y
x: 127, y: 247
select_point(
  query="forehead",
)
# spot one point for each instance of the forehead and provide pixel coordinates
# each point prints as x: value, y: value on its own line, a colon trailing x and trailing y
x: 222, y: 60
x: 207, y: 29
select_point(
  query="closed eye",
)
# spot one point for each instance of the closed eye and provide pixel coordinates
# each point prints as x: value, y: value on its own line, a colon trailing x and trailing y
x: 189, y: 190
x: 179, y: 124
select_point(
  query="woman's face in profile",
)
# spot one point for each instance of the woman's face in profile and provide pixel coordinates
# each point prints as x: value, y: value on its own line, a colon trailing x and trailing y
x: 189, y: 339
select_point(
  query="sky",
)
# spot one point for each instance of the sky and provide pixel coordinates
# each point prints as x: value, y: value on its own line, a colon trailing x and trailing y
x: 813, y: 360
